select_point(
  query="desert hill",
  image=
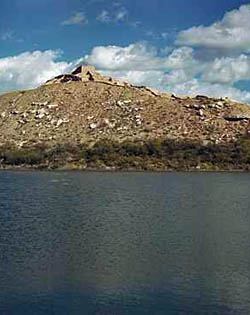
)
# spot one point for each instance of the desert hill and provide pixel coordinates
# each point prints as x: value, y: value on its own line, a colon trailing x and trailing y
x: 84, y: 107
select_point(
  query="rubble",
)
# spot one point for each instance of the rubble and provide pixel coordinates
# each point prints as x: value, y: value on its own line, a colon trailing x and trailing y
x: 51, y: 106
x: 92, y: 126
x: 86, y: 73
x: 152, y: 91
x: 39, y: 103
x: 63, y: 78
x: 201, y: 113
x: 236, y: 118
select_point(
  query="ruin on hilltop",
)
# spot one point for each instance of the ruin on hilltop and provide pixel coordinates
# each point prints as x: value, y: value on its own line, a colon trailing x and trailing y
x: 86, y: 73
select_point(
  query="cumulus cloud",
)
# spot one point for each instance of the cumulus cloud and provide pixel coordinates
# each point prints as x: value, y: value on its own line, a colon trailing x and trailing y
x: 30, y: 69
x: 151, y: 78
x: 180, y: 58
x: 196, y: 86
x: 178, y: 70
x: 174, y: 70
x: 141, y: 57
x: 137, y: 56
x: 231, y: 33
x: 78, y: 18
x: 227, y: 70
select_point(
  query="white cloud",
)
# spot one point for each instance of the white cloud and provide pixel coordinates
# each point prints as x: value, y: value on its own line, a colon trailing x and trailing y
x: 180, y: 58
x: 195, y: 86
x: 176, y: 77
x: 30, y: 69
x: 146, y: 78
x: 121, y: 14
x: 142, y: 57
x: 78, y: 18
x: 228, y: 70
x: 164, y: 35
x: 104, y: 17
x: 180, y: 83
x: 8, y: 35
x: 177, y: 70
x: 135, y: 56
x: 231, y: 33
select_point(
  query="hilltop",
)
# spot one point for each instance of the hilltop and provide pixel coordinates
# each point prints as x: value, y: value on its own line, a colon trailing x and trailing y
x: 83, y: 108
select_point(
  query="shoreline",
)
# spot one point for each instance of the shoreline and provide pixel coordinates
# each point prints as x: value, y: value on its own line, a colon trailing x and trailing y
x: 24, y: 168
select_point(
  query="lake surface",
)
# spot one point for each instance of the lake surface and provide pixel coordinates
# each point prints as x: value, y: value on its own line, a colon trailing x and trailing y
x: 124, y: 243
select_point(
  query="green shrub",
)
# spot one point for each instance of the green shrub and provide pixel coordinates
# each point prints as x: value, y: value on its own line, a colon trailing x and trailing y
x: 151, y: 154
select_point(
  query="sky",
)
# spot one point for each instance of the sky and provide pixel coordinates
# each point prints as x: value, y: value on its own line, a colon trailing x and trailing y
x: 186, y: 47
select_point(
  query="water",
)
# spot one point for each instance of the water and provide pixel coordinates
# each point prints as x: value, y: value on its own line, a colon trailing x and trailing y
x: 124, y: 243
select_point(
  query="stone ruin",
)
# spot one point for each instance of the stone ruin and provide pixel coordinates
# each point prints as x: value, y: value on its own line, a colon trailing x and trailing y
x: 86, y: 73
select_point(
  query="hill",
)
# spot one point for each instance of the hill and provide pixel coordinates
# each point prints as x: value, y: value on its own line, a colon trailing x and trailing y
x: 76, y: 112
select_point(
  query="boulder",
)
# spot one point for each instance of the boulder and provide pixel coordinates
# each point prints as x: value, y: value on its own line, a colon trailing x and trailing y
x: 236, y: 118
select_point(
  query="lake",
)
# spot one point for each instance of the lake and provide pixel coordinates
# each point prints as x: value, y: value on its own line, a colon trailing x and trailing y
x: 124, y: 243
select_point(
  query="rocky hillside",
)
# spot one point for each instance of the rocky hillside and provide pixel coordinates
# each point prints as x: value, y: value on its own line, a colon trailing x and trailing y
x: 84, y: 107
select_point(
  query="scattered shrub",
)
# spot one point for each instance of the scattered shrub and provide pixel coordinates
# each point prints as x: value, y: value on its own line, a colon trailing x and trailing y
x: 151, y: 154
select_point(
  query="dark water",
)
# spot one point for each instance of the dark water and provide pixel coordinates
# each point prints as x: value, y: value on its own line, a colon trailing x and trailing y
x: 124, y: 243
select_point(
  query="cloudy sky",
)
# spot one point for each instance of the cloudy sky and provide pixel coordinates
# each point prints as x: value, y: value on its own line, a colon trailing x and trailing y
x: 181, y: 46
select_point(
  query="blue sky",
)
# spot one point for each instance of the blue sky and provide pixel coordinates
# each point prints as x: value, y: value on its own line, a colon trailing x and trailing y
x: 181, y: 46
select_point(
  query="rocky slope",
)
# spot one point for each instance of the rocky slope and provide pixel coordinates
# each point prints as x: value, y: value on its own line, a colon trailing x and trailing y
x: 84, y: 107
x: 90, y: 109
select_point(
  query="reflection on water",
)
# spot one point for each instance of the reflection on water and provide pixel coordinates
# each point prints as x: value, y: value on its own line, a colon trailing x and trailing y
x: 124, y: 243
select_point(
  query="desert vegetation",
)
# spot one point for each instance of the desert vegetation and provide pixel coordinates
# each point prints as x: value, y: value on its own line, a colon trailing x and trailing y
x: 154, y: 154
